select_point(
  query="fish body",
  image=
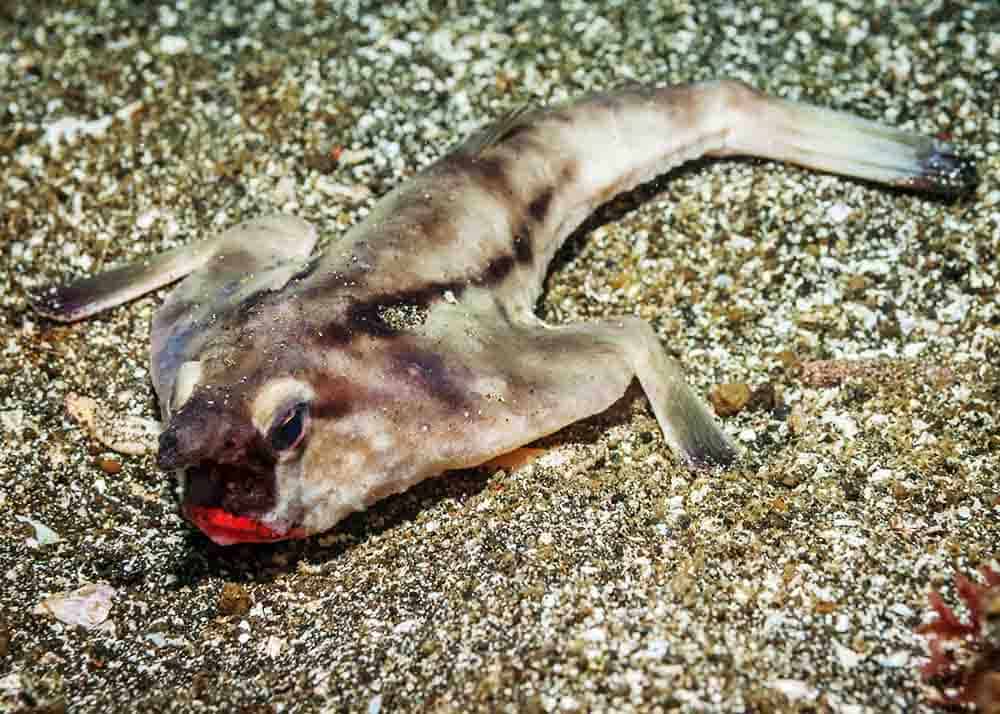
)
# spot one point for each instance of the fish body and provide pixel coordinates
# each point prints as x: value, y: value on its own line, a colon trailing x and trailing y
x: 297, y: 388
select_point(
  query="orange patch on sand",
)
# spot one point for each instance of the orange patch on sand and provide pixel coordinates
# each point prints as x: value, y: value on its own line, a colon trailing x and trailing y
x: 513, y: 460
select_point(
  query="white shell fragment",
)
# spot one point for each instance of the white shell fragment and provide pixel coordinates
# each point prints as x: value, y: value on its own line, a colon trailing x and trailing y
x: 68, y: 129
x: 123, y: 433
x: 795, y: 689
x: 274, y: 646
x: 43, y: 534
x: 352, y: 193
x: 12, y: 420
x: 87, y: 606
x: 173, y: 45
x: 848, y: 658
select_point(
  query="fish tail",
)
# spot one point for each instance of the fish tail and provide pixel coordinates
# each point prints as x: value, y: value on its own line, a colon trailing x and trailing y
x: 843, y: 144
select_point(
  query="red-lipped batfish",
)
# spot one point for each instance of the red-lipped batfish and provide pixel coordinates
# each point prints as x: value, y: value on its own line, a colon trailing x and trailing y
x: 297, y: 388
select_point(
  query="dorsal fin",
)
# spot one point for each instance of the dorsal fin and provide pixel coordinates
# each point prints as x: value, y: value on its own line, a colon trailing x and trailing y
x: 494, y: 133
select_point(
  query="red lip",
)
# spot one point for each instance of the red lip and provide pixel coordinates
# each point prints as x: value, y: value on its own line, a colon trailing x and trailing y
x: 225, y: 528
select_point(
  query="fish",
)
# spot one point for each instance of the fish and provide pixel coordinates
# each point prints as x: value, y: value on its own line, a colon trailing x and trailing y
x: 297, y: 387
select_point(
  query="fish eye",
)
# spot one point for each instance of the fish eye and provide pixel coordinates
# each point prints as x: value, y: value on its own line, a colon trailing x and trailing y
x: 288, y: 431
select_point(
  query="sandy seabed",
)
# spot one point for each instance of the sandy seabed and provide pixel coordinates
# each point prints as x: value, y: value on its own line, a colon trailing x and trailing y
x: 603, y: 576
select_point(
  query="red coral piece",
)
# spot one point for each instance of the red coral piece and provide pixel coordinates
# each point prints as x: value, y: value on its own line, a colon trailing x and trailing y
x: 976, y: 673
x: 972, y: 595
x: 991, y: 576
x: 947, y: 626
x: 940, y: 663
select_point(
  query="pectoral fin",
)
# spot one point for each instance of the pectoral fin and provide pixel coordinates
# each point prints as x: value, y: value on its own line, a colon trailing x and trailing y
x: 249, y: 260
x: 253, y: 257
x: 89, y: 296
x: 538, y: 379
x: 248, y: 246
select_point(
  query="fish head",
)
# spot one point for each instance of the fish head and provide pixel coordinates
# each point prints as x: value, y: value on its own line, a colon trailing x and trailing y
x: 235, y: 443
x: 286, y: 450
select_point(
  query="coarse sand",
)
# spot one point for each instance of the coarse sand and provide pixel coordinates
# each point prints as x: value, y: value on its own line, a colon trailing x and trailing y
x: 851, y: 331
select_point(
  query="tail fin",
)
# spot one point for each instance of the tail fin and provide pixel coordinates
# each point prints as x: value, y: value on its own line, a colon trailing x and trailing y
x: 839, y: 143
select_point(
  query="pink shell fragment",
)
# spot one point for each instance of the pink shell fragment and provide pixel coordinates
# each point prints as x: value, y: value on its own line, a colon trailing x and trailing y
x: 87, y: 606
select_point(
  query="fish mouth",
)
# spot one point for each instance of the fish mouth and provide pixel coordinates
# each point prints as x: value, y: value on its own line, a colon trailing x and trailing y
x: 225, y: 528
x: 228, y: 504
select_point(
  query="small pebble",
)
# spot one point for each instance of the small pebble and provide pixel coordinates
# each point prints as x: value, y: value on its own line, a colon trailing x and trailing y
x: 729, y: 399
x: 766, y: 398
x: 790, y: 479
x: 109, y: 465
x: 5, y: 636
x: 797, y: 421
x: 234, y: 600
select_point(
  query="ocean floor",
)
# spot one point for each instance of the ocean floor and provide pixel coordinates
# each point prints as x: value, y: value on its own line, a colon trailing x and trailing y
x: 863, y: 323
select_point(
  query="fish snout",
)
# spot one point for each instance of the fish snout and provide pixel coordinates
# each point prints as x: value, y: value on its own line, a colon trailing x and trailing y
x: 170, y: 456
x: 192, y: 439
x: 188, y: 441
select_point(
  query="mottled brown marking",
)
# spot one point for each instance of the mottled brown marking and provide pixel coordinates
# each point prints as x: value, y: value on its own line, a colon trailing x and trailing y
x: 331, y: 282
x: 428, y: 370
x: 524, y: 250
x: 330, y: 409
x: 539, y: 206
x: 419, y: 217
x: 497, y: 269
x: 210, y: 425
x: 538, y: 211
x: 336, y: 396
x: 493, y: 174
x: 334, y: 335
x: 568, y: 172
x: 367, y: 317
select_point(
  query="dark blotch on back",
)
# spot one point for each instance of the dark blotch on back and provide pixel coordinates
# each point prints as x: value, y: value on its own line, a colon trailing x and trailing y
x: 334, y: 334
x: 431, y: 372
x: 365, y: 317
x: 538, y: 211
x: 524, y: 251
x: 539, y: 207
x: 497, y: 269
x: 490, y: 170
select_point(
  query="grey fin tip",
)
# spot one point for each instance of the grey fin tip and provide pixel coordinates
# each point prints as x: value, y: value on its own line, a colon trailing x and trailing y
x: 945, y: 172
x: 713, y: 450
x: 61, y: 303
